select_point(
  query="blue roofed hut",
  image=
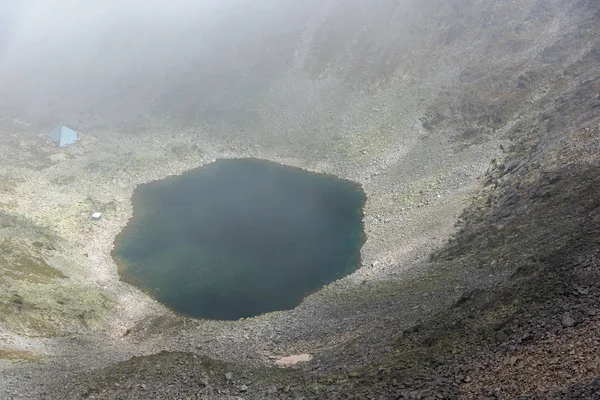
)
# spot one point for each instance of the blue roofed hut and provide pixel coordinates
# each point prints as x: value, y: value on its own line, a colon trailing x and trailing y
x: 63, y: 136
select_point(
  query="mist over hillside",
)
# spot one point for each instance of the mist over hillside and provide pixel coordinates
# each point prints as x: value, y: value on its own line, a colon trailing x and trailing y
x: 239, y: 62
x: 121, y: 61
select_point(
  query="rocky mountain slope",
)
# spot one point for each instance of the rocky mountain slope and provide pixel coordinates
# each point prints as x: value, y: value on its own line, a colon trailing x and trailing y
x: 473, y: 125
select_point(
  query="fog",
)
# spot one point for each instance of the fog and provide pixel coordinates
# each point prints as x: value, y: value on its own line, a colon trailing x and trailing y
x: 117, y: 61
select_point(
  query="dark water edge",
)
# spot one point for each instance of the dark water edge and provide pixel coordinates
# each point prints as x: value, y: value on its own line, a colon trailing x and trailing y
x: 239, y: 238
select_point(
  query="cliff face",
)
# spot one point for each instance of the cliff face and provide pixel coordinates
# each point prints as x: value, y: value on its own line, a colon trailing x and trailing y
x: 472, y: 124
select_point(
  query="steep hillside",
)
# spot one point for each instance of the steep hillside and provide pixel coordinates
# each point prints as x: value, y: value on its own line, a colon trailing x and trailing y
x: 473, y: 126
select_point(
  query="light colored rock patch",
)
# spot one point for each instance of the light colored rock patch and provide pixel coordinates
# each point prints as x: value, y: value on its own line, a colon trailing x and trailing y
x: 293, y: 360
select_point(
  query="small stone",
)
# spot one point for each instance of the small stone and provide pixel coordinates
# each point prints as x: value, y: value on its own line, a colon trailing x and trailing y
x: 243, y: 388
x: 568, y: 320
x: 229, y: 376
x: 272, y: 390
x: 578, y: 290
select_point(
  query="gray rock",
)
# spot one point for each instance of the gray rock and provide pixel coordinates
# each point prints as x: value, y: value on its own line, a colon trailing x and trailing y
x: 229, y: 376
x: 272, y: 390
x: 568, y: 320
x: 243, y: 388
x: 581, y: 290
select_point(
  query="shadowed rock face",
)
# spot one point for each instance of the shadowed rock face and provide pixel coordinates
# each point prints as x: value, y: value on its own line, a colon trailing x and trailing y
x: 472, y: 125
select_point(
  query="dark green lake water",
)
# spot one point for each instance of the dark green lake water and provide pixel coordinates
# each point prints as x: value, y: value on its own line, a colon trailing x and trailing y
x: 239, y: 238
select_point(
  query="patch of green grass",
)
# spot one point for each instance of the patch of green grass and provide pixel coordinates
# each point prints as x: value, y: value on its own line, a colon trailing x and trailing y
x: 17, y: 263
x: 29, y: 265
x: 12, y: 354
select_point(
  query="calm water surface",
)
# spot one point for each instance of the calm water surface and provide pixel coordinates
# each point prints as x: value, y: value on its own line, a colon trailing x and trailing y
x: 238, y: 238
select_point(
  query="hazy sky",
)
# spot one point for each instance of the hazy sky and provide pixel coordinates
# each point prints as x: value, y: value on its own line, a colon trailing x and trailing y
x: 45, y: 23
x: 71, y: 55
